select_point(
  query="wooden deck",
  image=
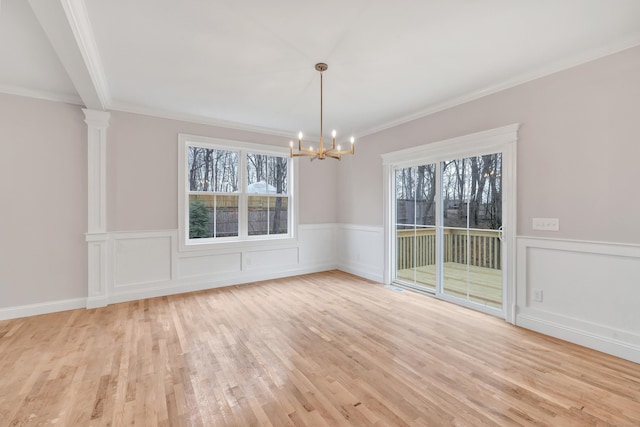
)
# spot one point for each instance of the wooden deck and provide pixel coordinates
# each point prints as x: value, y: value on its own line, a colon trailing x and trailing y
x: 485, y: 284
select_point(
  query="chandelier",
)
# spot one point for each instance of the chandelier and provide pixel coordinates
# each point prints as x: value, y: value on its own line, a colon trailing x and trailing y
x: 335, y: 151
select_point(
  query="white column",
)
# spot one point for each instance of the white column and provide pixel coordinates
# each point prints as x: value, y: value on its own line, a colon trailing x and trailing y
x: 96, y: 237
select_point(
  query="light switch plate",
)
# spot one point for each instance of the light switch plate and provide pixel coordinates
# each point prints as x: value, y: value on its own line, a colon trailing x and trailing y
x: 546, y: 224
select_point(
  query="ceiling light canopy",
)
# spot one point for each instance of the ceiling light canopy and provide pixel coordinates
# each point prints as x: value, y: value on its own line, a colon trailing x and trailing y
x: 335, y: 151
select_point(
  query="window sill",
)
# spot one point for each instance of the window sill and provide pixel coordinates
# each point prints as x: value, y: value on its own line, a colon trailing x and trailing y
x: 256, y: 242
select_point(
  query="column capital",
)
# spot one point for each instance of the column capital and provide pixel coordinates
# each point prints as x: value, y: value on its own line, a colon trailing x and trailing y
x: 96, y: 118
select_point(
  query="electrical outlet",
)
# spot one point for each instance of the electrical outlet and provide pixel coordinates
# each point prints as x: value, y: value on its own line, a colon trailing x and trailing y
x: 546, y: 224
x: 537, y: 295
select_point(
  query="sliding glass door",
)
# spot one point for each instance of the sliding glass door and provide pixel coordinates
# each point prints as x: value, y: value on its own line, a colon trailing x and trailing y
x: 416, y: 225
x: 471, y: 205
x: 448, y: 229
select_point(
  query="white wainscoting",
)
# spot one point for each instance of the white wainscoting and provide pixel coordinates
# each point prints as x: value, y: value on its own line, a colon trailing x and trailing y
x: 590, y: 293
x: 361, y: 251
x: 149, y: 264
x: 197, y: 265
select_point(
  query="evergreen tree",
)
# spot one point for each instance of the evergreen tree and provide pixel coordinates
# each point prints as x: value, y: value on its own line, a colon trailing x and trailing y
x: 198, y: 220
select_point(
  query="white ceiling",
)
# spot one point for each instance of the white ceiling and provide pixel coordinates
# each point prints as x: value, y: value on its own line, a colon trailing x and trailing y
x: 249, y: 64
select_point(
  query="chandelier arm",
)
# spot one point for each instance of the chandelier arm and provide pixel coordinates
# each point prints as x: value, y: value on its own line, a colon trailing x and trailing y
x: 340, y: 151
x: 305, y: 154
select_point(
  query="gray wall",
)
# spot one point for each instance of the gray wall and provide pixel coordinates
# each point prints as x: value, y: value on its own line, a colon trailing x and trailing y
x: 578, y: 150
x: 43, y: 201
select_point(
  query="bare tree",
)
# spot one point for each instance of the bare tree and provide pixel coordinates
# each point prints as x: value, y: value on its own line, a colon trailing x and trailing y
x: 426, y: 193
x: 194, y: 167
x: 256, y: 168
x: 279, y: 169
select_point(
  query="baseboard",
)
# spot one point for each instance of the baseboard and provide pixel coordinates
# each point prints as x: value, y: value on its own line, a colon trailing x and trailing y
x: 362, y: 270
x: 584, y: 338
x: 41, y: 308
x: 102, y: 301
x: 209, y: 283
x: 97, y: 302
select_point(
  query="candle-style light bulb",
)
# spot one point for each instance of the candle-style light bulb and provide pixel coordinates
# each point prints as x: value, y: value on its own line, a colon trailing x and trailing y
x: 291, y: 144
x: 352, y: 140
x: 338, y: 147
x: 300, y: 135
x: 333, y: 133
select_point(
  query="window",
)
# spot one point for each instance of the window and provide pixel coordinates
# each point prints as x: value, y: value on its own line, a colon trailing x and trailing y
x: 232, y: 191
x: 268, y: 200
x: 213, y: 192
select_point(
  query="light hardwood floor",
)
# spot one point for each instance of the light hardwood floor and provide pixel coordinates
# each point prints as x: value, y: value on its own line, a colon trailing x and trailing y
x: 322, y: 349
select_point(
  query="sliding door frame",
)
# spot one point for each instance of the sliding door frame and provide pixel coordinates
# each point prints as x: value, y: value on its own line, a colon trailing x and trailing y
x: 502, y: 140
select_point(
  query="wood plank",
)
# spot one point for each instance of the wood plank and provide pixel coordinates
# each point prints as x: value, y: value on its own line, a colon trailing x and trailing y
x: 485, y: 284
x: 322, y: 349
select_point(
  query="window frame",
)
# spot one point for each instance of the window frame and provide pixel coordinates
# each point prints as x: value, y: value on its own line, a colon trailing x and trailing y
x: 243, y: 239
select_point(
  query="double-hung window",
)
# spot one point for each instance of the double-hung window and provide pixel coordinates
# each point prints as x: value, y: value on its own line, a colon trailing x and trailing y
x: 233, y: 191
x: 267, y: 200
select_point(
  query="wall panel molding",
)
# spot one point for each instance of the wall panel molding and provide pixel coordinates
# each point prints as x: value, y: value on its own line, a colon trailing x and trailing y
x: 361, y: 250
x: 589, y: 293
x: 140, y: 259
x: 98, y: 271
x: 148, y: 264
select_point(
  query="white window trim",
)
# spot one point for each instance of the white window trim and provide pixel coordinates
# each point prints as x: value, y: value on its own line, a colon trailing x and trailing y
x: 243, y: 240
x: 501, y: 139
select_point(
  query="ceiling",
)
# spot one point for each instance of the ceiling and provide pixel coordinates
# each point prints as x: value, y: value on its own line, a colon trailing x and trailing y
x: 249, y: 64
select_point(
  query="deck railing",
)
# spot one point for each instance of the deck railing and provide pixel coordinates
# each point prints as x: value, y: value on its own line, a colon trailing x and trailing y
x: 416, y: 248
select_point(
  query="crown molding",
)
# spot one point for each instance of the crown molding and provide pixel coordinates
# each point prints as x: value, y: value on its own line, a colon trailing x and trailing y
x: 41, y: 94
x: 545, y: 71
x: 197, y: 119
